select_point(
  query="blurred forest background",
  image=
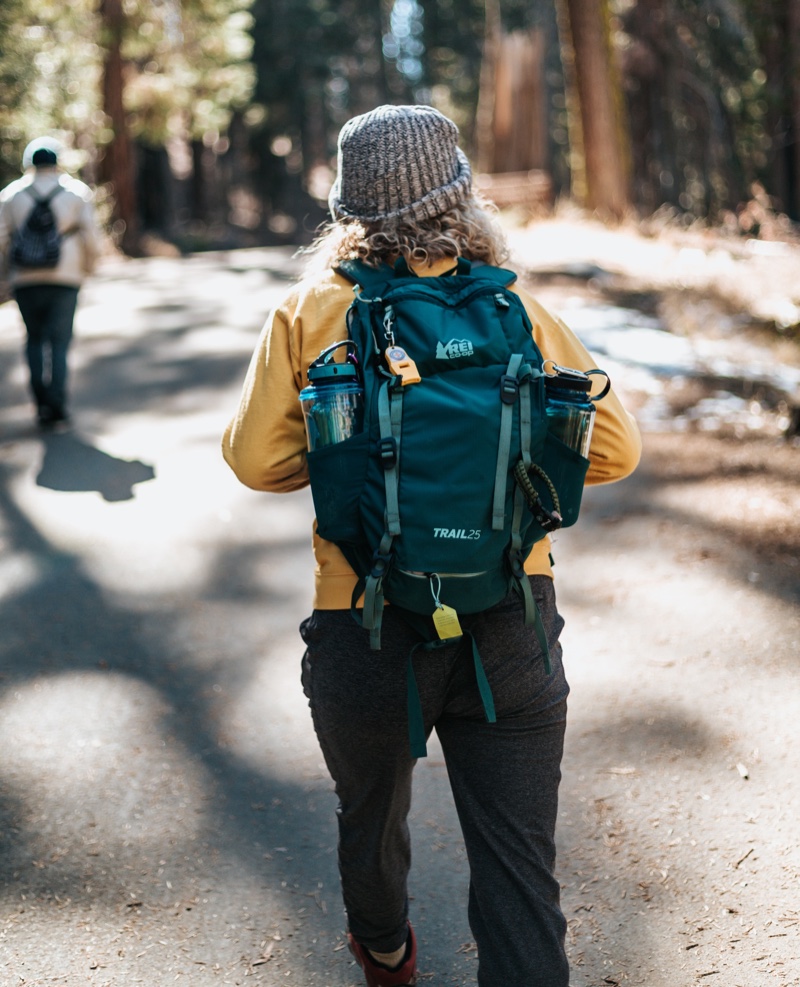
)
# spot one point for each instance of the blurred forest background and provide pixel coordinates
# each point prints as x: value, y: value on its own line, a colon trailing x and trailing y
x: 213, y: 123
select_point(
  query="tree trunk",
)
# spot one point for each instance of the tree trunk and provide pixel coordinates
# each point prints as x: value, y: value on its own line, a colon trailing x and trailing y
x: 793, y: 96
x: 117, y: 167
x: 198, y: 205
x: 484, y: 130
x: 519, y: 125
x: 597, y: 103
x: 154, y: 189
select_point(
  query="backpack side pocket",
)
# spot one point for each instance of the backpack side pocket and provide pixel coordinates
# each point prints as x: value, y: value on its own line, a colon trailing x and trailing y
x: 337, y: 474
x: 567, y: 471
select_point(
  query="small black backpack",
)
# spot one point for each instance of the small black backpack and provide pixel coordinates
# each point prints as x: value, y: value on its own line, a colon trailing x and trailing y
x: 37, y: 243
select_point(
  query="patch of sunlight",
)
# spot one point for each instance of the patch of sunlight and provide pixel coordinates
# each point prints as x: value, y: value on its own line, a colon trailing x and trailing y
x: 772, y: 506
x: 96, y: 746
x: 18, y: 572
x: 550, y: 243
x: 127, y: 546
x: 172, y: 294
x: 162, y: 535
x: 268, y: 724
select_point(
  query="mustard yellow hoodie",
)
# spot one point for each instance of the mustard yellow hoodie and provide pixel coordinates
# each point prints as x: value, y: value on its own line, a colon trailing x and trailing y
x: 265, y: 443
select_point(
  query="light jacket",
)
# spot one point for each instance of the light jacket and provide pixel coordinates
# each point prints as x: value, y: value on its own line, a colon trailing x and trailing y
x: 265, y: 443
x: 74, y: 214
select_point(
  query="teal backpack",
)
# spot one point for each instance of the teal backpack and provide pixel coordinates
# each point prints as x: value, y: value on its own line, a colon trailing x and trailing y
x: 437, y: 502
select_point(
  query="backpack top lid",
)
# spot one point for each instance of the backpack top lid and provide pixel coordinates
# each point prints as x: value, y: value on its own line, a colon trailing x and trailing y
x: 370, y: 278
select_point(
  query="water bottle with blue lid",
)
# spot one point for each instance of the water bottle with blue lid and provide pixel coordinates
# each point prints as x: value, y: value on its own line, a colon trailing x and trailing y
x: 570, y: 405
x: 333, y: 401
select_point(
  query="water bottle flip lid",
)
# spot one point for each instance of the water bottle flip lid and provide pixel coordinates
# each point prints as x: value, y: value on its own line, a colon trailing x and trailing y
x: 566, y: 379
x: 325, y: 371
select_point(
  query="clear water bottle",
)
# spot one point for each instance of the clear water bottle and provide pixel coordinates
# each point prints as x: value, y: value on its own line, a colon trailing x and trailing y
x: 570, y: 406
x: 333, y: 402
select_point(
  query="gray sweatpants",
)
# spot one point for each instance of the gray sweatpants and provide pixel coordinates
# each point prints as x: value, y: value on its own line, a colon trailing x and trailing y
x: 504, y: 776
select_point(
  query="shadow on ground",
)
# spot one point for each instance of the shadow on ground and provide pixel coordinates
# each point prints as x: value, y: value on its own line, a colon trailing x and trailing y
x: 72, y: 464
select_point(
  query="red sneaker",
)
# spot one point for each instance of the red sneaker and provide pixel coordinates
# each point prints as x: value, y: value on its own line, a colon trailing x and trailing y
x: 379, y: 976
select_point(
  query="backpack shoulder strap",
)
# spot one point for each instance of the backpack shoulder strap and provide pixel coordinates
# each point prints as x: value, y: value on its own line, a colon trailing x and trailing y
x: 500, y: 275
x: 43, y: 200
x: 363, y: 274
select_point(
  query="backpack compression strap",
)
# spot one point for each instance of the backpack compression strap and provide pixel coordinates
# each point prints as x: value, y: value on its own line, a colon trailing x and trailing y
x: 515, y: 388
x: 390, y: 417
x: 510, y: 394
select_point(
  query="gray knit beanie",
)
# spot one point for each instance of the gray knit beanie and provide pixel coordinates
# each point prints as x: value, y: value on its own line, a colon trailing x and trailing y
x: 399, y: 161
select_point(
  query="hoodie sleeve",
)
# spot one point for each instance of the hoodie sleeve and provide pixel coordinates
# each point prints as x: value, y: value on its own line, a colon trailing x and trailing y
x: 264, y: 444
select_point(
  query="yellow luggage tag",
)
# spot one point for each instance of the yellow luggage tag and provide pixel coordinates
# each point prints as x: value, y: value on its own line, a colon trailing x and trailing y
x: 400, y: 363
x: 445, y: 619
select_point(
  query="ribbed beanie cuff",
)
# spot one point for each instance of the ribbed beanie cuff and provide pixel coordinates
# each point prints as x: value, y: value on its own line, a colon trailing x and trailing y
x: 399, y: 162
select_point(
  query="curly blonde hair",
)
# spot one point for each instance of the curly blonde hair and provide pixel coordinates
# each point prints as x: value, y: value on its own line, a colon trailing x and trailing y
x: 470, y: 229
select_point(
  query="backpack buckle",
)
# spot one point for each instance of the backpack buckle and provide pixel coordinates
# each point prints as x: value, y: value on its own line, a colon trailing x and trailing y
x: 516, y: 564
x: 380, y: 563
x: 549, y: 520
x: 509, y: 389
x: 387, y: 450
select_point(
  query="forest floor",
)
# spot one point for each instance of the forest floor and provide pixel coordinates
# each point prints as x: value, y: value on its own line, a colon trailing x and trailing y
x: 164, y: 813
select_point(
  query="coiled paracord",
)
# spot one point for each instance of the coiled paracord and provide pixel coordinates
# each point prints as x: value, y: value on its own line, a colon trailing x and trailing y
x: 549, y: 520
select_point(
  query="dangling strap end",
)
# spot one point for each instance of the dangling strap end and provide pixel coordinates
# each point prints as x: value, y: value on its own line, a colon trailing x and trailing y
x: 373, y: 610
x: 358, y: 591
x: 484, y: 688
x: 533, y: 616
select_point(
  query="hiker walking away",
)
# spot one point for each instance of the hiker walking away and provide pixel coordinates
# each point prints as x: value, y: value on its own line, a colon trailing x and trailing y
x: 403, y: 198
x: 49, y: 242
